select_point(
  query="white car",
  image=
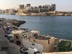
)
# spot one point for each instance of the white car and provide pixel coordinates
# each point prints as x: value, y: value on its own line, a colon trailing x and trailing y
x: 29, y: 50
x: 23, y: 49
x: 10, y: 37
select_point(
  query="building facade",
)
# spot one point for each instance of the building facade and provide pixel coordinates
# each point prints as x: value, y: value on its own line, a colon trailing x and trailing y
x: 37, y: 9
x: 53, y: 7
x: 21, y: 6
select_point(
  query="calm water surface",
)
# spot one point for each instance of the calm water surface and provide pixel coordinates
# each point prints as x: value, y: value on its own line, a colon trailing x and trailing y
x: 58, y: 26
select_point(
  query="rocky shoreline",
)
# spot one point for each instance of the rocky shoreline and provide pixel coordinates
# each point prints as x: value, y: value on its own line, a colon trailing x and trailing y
x: 14, y: 22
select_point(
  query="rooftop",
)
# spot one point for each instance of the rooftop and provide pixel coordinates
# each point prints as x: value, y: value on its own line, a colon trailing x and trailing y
x: 64, y: 44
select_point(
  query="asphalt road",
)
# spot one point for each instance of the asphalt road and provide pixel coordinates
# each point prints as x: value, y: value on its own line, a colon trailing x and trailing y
x: 14, y: 49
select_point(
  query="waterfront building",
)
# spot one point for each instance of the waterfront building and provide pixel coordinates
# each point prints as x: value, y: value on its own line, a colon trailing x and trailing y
x: 21, y: 6
x: 28, y: 9
x: 44, y: 8
x: 28, y: 5
x: 20, y: 10
x: 6, y: 11
x: 49, y: 43
x: 10, y: 11
x: 53, y: 7
x: 1, y: 11
x: 18, y: 35
x: 35, y: 9
x: 40, y: 6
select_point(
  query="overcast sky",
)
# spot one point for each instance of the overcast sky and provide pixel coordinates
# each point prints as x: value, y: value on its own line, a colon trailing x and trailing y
x: 61, y: 5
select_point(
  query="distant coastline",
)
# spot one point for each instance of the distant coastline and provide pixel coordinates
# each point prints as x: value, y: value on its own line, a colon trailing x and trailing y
x: 51, y: 13
x: 41, y: 10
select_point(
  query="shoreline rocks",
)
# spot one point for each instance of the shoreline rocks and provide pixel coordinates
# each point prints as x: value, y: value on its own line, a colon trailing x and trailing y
x: 16, y: 22
x: 13, y: 21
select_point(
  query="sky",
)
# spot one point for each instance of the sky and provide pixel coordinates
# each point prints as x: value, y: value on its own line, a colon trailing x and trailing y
x: 61, y: 5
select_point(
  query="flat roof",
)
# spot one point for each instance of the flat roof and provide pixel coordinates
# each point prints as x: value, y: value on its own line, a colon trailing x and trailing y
x: 64, y: 44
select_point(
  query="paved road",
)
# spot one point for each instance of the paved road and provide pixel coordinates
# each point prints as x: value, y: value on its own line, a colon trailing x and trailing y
x: 14, y: 49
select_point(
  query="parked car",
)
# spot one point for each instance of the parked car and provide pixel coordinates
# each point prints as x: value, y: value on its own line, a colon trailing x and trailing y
x: 6, y: 35
x: 23, y: 49
x: 10, y: 37
x: 29, y: 51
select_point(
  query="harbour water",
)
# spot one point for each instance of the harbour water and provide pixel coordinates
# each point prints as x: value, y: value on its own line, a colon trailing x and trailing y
x: 57, y: 26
